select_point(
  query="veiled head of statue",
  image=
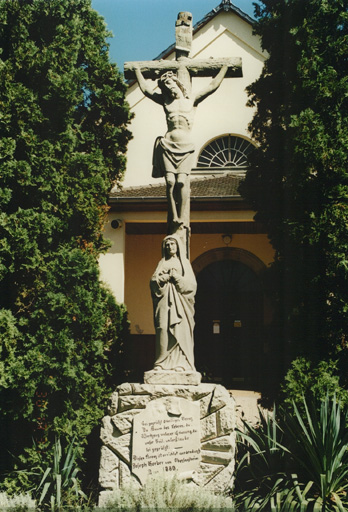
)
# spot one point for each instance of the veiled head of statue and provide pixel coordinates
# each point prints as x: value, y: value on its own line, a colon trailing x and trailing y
x: 172, y: 245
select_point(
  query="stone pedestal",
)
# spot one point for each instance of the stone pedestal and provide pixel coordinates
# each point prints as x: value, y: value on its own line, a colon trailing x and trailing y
x: 171, y: 428
x: 172, y: 377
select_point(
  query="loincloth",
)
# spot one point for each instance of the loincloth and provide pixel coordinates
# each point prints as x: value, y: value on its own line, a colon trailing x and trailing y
x: 172, y: 157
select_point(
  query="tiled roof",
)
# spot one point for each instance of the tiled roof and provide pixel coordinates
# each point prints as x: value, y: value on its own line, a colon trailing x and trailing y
x: 223, y: 186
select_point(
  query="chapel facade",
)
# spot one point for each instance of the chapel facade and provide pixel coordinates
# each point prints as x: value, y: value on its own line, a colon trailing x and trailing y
x: 229, y: 251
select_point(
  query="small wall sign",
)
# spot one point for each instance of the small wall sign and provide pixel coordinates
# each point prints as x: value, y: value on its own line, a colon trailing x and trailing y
x: 216, y: 326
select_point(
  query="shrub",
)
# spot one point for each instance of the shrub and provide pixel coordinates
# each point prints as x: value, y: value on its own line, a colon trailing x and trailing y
x: 59, y: 484
x: 297, y: 180
x: 161, y: 493
x: 63, y: 138
x: 309, y: 379
x: 298, y: 456
x: 16, y: 503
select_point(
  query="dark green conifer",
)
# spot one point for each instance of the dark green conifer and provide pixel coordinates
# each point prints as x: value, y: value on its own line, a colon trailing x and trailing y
x: 298, y: 182
x: 63, y: 138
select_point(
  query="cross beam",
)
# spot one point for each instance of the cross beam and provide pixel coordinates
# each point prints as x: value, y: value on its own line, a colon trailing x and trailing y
x: 152, y: 69
x: 183, y: 65
x: 173, y: 153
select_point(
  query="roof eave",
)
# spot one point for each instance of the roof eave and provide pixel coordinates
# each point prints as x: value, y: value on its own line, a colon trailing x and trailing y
x: 147, y: 199
x: 160, y: 204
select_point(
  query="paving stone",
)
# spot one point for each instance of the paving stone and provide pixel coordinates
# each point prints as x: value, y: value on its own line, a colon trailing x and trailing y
x: 208, y: 472
x: 204, y: 404
x: 124, y: 420
x: 126, y: 476
x: 223, y: 481
x: 188, y: 378
x: 220, y: 398
x: 111, y: 438
x: 125, y: 389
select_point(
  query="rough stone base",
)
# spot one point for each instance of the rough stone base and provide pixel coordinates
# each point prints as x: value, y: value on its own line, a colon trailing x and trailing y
x: 172, y: 377
x: 217, y: 424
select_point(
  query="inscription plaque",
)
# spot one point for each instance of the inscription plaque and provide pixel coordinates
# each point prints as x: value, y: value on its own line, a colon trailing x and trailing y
x: 166, y: 438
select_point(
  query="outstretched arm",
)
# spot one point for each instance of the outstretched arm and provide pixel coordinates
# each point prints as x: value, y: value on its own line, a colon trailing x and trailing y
x: 214, y: 84
x: 145, y: 89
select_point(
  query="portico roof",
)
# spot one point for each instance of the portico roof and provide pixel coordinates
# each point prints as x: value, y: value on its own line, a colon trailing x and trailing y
x: 210, y: 189
x: 213, y: 186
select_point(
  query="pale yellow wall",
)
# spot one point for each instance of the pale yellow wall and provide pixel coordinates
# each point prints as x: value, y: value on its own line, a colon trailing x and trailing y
x: 257, y: 244
x: 112, y: 263
x: 142, y: 255
x: 225, y: 111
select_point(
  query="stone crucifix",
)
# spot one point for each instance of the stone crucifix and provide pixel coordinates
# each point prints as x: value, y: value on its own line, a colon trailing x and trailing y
x: 173, y: 153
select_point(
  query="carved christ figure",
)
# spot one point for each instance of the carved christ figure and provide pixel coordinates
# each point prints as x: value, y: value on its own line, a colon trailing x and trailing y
x: 173, y: 153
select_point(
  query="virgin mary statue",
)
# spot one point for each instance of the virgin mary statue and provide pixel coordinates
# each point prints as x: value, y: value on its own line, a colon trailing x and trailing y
x: 173, y: 289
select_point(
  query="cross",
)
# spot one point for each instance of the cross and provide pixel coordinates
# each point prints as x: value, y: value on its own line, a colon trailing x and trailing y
x: 173, y: 154
x: 183, y: 65
x: 173, y: 285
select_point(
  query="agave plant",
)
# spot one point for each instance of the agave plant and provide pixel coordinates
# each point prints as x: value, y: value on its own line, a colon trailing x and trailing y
x: 261, y: 470
x: 59, y: 482
x: 295, y: 460
x: 318, y: 442
x: 286, y: 500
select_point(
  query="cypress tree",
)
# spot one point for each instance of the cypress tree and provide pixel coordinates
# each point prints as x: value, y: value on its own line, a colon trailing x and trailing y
x: 298, y: 181
x: 63, y: 138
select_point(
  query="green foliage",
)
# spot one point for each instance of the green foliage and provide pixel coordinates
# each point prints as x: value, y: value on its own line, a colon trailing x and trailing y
x: 304, y: 378
x: 162, y: 493
x: 59, y: 484
x: 296, y: 460
x: 298, y: 181
x: 261, y: 472
x: 63, y: 137
x: 319, y: 446
x: 288, y: 499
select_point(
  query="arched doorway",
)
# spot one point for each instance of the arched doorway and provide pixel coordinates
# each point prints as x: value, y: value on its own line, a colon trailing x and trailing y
x: 229, y: 318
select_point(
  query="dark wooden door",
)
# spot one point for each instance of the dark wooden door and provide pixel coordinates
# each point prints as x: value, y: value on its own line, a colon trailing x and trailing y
x: 229, y: 324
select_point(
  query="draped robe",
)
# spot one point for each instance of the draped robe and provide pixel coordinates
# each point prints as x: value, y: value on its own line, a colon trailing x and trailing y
x: 173, y: 304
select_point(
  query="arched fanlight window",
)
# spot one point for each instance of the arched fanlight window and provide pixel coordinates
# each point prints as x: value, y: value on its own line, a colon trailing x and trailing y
x: 228, y: 151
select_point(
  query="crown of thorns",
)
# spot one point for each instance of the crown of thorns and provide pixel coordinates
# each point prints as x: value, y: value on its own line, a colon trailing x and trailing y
x: 170, y: 74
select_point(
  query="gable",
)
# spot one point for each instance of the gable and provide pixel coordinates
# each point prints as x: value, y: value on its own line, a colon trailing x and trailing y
x: 221, y: 34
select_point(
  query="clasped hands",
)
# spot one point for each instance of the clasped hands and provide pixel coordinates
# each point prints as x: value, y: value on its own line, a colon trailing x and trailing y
x: 170, y: 275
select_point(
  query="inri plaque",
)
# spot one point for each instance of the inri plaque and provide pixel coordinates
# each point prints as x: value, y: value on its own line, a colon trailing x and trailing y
x: 166, y: 438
